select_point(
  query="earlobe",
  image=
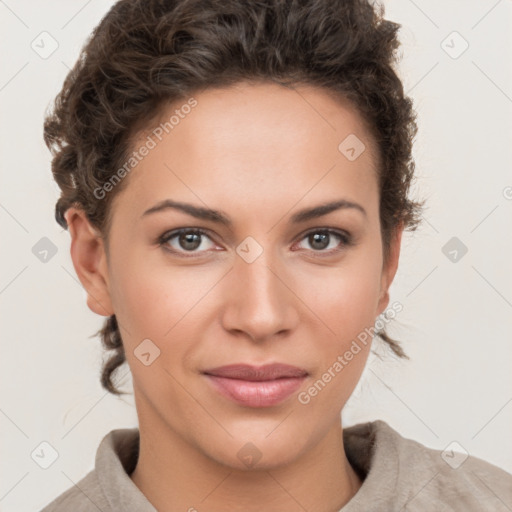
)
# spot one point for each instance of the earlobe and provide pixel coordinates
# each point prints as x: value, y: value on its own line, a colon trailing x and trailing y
x: 89, y: 260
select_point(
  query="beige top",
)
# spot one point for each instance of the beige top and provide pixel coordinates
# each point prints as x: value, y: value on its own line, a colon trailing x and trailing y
x: 398, y: 474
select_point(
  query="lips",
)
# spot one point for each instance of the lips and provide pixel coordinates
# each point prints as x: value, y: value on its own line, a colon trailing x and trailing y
x: 257, y: 373
x: 254, y: 386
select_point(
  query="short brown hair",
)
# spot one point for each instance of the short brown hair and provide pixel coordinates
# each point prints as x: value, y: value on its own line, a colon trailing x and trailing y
x: 145, y: 53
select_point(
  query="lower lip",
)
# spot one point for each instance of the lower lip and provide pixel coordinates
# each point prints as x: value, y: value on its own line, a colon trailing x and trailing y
x: 256, y: 393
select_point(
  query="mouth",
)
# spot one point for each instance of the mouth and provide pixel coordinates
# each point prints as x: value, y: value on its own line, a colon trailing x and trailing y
x: 253, y: 386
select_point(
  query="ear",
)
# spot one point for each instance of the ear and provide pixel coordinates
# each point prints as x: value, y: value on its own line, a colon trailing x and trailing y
x: 390, y: 268
x: 90, y: 261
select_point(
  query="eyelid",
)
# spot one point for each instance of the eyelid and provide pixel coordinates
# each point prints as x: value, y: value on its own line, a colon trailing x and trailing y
x: 326, y: 229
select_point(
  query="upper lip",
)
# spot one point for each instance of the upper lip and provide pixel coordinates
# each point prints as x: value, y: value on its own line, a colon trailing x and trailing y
x: 257, y: 373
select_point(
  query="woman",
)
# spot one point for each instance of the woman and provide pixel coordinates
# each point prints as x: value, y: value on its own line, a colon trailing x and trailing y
x: 235, y: 179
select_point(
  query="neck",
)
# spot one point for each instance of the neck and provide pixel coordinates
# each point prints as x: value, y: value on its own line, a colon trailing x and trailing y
x: 175, y: 475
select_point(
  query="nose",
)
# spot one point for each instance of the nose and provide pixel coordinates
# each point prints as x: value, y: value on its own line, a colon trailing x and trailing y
x: 259, y: 299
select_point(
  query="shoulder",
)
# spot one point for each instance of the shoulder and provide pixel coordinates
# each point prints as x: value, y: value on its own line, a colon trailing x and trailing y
x: 84, y: 496
x: 108, y: 486
x: 418, y: 477
x: 456, y: 477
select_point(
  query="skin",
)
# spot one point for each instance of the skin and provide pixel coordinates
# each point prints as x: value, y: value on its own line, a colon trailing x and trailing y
x: 259, y: 153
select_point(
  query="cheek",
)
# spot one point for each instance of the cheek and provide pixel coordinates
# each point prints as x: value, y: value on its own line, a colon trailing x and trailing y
x: 346, y: 299
x: 347, y: 305
x: 358, y: 299
x: 151, y: 298
x: 155, y: 303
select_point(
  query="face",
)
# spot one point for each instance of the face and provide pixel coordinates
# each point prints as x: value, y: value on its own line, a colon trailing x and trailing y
x: 263, y: 285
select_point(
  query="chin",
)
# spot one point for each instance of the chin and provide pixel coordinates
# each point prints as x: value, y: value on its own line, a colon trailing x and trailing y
x: 255, y: 452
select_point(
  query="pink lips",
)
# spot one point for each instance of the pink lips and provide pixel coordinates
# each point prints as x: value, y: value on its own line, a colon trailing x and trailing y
x: 253, y: 386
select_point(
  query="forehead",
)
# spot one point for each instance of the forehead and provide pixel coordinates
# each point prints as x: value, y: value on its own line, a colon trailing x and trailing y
x: 247, y: 116
x: 263, y: 141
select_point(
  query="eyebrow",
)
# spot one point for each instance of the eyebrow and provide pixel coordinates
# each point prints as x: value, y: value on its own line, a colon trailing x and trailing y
x: 221, y: 218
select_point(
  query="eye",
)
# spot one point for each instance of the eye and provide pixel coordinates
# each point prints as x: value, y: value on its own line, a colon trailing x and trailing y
x: 321, y: 239
x: 190, y: 240
x: 185, y: 240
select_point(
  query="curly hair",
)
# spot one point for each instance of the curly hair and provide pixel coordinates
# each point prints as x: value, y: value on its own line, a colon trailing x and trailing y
x: 145, y: 53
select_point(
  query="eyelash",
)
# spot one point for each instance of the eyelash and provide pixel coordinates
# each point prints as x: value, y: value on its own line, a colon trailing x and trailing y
x: 345, y: 237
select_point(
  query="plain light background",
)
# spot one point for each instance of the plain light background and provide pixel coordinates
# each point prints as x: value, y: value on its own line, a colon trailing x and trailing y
x: 456, y: 321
